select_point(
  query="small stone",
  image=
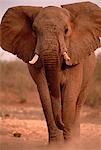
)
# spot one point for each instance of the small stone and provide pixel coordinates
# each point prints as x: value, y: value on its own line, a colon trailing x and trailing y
x: 17, y: 134
x: 7, y: 115
x: 22, y: 100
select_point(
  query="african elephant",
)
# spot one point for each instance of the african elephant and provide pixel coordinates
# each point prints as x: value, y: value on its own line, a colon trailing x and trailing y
x: 58, y: 45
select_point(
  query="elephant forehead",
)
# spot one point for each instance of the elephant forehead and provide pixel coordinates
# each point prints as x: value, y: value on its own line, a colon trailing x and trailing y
x: 51, y: 11
x: 50, y: 14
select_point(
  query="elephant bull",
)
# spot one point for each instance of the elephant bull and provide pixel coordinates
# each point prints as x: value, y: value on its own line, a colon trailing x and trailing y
x: 58, y: 45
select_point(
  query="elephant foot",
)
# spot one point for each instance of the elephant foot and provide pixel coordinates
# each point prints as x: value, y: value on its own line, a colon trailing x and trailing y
x: 56, y: 139
x: 71, y: 140
x: 67, y: 133
x: 55, y: 145
x: 72, y: 143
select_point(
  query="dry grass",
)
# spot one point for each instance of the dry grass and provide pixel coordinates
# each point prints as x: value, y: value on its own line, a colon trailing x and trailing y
x: 15, y: 78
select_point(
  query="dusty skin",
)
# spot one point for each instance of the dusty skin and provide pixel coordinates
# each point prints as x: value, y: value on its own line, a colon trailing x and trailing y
x: 27, y: 119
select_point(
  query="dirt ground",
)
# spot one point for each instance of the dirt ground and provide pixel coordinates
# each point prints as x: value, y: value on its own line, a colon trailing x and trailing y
x: 23, y: 127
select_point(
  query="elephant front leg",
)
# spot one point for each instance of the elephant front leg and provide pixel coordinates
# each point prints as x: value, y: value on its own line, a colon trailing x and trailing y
x: 57, y: 109
x: 57, y: 112
x: 40, y: 80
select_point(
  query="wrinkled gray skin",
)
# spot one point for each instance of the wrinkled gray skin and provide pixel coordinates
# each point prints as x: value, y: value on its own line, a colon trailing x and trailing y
x: 62, y: 88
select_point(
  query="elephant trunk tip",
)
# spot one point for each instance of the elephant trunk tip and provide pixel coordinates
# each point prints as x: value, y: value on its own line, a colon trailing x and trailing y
x: 59, y: 123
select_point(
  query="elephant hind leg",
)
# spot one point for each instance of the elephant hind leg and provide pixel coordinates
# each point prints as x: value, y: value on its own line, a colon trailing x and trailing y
x: 56, y: 107
x: 80, y: 101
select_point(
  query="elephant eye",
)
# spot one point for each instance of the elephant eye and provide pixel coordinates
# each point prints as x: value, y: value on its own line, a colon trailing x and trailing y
x: 66, y: 30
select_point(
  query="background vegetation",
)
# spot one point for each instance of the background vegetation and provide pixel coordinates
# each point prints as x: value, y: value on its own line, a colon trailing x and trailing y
x: 15, y: 78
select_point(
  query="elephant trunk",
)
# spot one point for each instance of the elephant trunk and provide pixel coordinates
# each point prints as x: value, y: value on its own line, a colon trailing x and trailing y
x: 52, y: 70
x: 51, y: 61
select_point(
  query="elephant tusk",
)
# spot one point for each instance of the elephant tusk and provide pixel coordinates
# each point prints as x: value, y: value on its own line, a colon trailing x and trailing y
x: 69, y: 63
x: 100, y: 41
x: 66, y: 57
x: 34, y: 59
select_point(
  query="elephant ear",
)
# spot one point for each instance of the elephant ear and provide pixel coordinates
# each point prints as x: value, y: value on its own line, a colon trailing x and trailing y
x: 17, y: 36
x: 86, y: 29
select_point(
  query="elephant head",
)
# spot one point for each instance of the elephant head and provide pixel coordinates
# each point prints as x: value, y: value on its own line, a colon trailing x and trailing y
x: 52, y: 34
